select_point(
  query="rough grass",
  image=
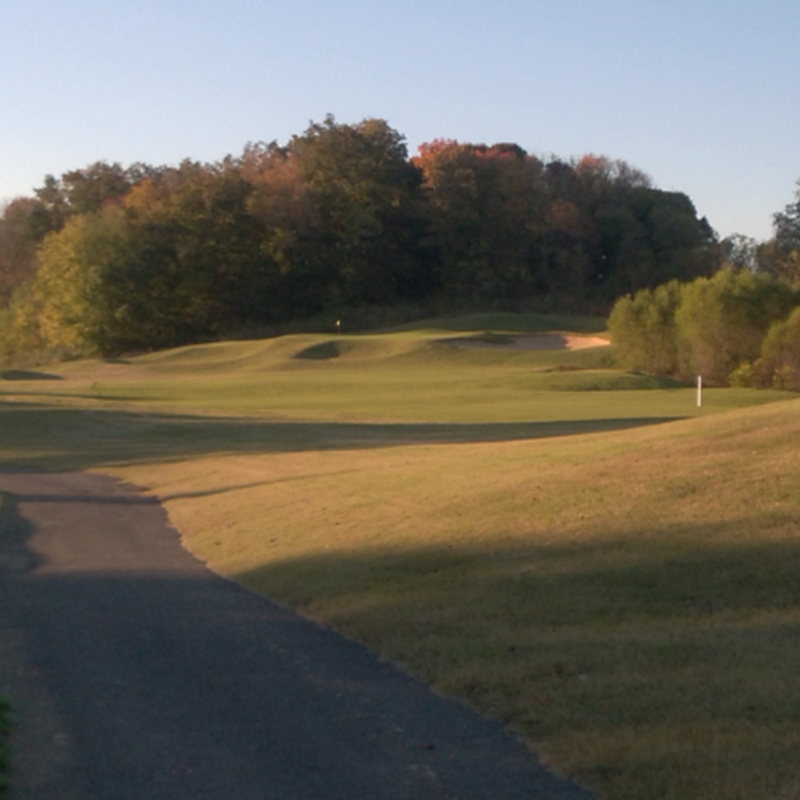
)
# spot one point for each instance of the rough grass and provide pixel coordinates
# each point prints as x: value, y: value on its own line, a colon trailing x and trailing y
x: 627, y: 601
x: 508, y: 526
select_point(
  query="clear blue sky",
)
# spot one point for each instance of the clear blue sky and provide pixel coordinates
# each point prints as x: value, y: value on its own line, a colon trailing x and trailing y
x: 702, y: 95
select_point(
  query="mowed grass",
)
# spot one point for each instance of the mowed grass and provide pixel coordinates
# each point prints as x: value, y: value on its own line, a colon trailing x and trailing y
x: 512, y: 527
x: 417, y: 376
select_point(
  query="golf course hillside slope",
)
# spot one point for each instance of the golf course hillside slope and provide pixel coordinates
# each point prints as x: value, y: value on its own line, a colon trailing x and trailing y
x: 427, y: 374
x: 580, y: 552
x: 626, y: 601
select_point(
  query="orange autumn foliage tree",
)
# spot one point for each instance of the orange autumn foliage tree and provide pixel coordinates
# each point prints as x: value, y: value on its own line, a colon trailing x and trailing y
x: 486, y: 206
x: 338, y: 218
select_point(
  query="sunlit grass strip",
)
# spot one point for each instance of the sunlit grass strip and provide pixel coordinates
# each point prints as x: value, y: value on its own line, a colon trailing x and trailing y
x: 411, y: 376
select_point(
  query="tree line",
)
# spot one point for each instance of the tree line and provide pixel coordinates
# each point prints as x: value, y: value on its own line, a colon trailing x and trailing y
x: 738, y: 327
x: 778, y: 256
x: 107, y: 259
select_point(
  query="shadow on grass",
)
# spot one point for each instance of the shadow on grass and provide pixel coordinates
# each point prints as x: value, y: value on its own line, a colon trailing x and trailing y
x: 675, y: 574
x: 143, y: 659
x: 652, y: 669
x: 27, y: 375
x: 648, y: 666
x: 323, y: 351
x: 62, y: 439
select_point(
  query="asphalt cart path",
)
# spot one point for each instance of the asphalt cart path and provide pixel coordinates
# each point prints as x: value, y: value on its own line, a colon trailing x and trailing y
x: 138, y: 674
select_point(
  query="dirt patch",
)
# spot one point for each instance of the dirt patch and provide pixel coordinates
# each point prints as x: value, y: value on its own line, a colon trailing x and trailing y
x: 538, y: 341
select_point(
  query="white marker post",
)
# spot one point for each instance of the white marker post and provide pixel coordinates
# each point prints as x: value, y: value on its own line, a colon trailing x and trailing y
x: 699, y: 391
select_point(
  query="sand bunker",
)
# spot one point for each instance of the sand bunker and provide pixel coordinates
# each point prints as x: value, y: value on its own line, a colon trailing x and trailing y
x: 538, y: 341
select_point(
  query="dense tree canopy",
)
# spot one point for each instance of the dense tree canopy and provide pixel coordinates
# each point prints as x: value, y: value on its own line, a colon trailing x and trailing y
x: 781, y: 255
x: 107, y: 258
x: 729, y: 328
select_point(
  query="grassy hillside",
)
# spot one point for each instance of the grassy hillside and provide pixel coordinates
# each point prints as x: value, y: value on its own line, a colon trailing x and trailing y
x: 508, y: 525
x: 628, y: 601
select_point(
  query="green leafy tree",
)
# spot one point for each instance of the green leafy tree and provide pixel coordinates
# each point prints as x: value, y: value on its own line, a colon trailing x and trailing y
x: 779, y: 364
x: 143, y: 257
x: 741, y: 251
x: 644, y: 331
x: 714, y: 327
x: 781, y: 255
x: 88, y: 190
x: 83, y: 191
x: 202, y: 251
x: 292, y: 233
x: 80, y: 291
x: 20, y: 334
x: 643, y: 237
x: 364, y: 243
x: 486, y: 205
x: 787, y: 225
x: 179, y: 260
x: 722, y: 320
x: 18, y: 241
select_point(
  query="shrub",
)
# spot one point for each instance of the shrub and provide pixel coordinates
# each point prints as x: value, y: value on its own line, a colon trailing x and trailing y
x: 744, y: 376
x: 779, y: 365
x: 721, y: 321
x: 643, y: 329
